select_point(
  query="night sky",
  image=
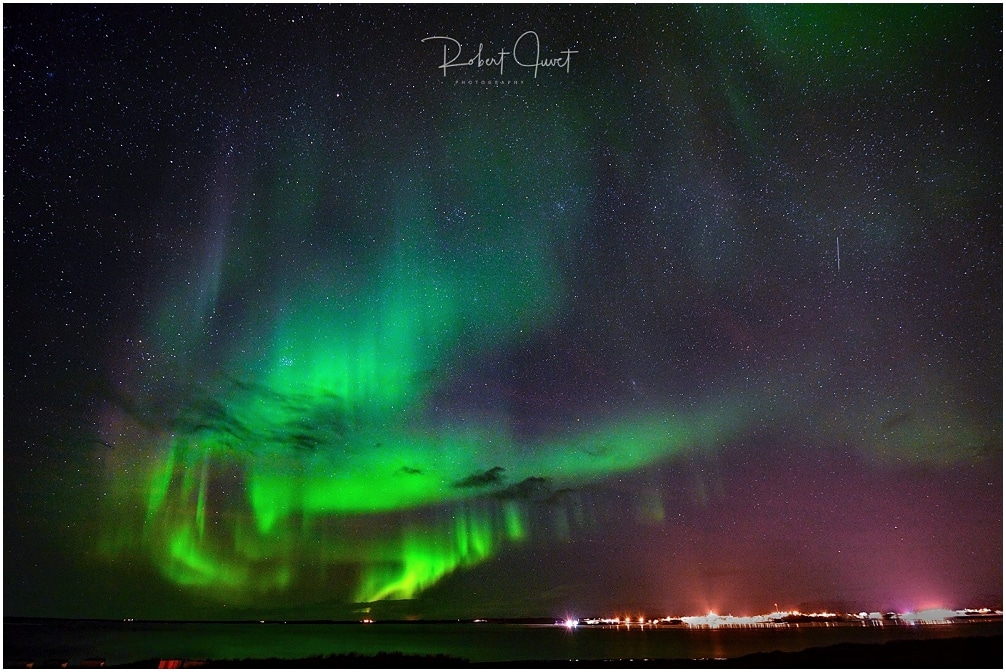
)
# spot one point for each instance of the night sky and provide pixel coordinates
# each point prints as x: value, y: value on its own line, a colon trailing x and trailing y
x: 702, y: 313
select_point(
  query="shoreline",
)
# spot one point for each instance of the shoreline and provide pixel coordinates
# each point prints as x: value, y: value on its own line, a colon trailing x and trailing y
x: 981, y: 652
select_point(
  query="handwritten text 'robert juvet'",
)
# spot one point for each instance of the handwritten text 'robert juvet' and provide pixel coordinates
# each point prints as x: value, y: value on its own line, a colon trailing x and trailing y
x: 531, y: 44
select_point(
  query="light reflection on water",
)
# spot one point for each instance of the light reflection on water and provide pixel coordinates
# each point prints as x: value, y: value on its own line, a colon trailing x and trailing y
x: 481, y: 642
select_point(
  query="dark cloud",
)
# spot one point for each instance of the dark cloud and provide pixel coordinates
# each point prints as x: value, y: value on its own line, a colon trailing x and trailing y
x: 482, y: 479
x: 533, y: 488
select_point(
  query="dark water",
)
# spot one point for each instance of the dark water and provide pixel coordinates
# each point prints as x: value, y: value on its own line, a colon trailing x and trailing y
x: 484, y: 642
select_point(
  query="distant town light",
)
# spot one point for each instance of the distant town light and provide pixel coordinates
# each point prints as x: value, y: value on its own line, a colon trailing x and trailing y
x: 796, y: 618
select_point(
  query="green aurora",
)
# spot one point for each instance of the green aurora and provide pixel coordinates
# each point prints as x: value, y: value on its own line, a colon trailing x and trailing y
x: 332, y: 430
x: 281, y: 421
x: 311, y: 441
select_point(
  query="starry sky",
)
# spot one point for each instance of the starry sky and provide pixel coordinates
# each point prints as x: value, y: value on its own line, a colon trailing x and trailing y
x: 659, y: 309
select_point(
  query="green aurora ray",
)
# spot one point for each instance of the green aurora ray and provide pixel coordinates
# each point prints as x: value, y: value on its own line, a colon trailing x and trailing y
x: 276, y: 426
x: 254, y: 477
x: 307, y: 448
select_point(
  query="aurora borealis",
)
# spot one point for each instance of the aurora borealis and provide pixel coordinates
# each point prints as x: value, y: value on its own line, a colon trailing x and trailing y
x: 302, y: 323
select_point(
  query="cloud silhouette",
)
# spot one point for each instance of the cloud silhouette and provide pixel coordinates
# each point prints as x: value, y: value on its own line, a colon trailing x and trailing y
x: 482, y: 479
x: 535, y: 487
